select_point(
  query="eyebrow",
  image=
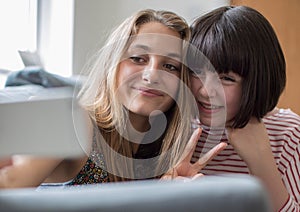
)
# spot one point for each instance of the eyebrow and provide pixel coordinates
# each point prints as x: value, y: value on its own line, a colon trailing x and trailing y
x: 148, y: 49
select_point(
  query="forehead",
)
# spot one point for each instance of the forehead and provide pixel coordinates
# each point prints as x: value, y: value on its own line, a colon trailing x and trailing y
x: 156, y: 38
x: 159, y: 28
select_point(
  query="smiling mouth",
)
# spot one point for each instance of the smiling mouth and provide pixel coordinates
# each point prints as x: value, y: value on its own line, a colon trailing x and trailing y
x: 209, y: 106
x: 150, y: 92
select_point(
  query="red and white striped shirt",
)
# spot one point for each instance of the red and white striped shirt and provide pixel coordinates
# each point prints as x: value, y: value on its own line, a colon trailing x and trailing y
x: 284, y: 134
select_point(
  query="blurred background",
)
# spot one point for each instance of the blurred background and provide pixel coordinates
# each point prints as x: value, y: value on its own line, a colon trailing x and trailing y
x: 63, y: 34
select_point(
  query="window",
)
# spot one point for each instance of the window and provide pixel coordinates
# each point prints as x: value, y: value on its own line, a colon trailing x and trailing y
x: 55, y: 36
x: 18, y: 24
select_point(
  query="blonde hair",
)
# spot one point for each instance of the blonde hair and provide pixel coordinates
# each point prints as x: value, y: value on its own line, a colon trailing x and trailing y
x: 98, y: 93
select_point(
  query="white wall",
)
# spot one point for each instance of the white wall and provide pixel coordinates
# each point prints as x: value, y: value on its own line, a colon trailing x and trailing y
x: 90, y: 21
x: 94, y: 20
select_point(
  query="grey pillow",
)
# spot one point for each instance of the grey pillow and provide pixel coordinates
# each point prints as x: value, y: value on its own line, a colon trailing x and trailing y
x: 232, y: 193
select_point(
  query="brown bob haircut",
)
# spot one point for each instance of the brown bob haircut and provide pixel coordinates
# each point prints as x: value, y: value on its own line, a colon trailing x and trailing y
x: 240, y: 39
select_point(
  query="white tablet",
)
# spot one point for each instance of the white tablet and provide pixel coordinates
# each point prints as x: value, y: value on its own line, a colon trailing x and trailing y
x: 49, y: 123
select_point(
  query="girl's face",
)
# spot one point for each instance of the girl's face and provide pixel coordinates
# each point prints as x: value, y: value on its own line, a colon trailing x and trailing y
x: 218, y: 96
x: 148, y: 75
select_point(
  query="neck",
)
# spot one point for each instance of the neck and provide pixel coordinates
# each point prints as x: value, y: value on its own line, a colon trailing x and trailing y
x: 272, y: 112
x: 138, y: 122
x: 136, y: 128
x: 142, y: 129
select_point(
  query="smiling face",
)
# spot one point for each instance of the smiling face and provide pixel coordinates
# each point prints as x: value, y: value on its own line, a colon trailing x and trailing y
x: 148, y: 75
x: 218, y: 96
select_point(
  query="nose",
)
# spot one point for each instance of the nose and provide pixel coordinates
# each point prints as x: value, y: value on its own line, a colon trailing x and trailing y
x: 152, y: 70
x: 208, y: 88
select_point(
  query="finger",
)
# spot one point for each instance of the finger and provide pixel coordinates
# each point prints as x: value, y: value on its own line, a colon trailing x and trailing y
x: 166, y: 177
x: 171, y: 174
x: 191, y: 145
x: 184, y: 179
x: 197, y: 176
x: 205, y: 159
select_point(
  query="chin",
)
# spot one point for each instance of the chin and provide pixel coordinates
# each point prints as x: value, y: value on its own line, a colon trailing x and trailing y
x: 213, y: 122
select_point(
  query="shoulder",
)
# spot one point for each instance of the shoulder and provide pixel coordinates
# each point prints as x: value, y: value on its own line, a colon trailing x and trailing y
x: 284, y: 129
x: 284, y: 133
x: 284, y: 119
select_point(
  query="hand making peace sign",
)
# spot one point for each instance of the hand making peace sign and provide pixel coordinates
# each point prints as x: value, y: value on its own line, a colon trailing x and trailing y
x: 185, y: 169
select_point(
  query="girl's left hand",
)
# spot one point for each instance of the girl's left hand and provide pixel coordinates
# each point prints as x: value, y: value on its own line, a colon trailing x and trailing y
x: 185, y: 169
x: 251, y: 142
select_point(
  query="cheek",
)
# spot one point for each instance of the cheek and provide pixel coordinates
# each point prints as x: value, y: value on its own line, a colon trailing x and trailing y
x: 119, y: 75
x: 233, y: 98
x: 124, y: 72
x: 169, y: 83
x: 195, y: 85
x: 173, y: 87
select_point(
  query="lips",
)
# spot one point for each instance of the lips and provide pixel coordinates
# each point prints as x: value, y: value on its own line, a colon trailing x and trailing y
x: 149, y: 92
x: 209, y: 108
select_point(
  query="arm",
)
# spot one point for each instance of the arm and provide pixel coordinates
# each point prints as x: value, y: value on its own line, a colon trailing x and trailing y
x: 26, y: 171
x: 253, y: 146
